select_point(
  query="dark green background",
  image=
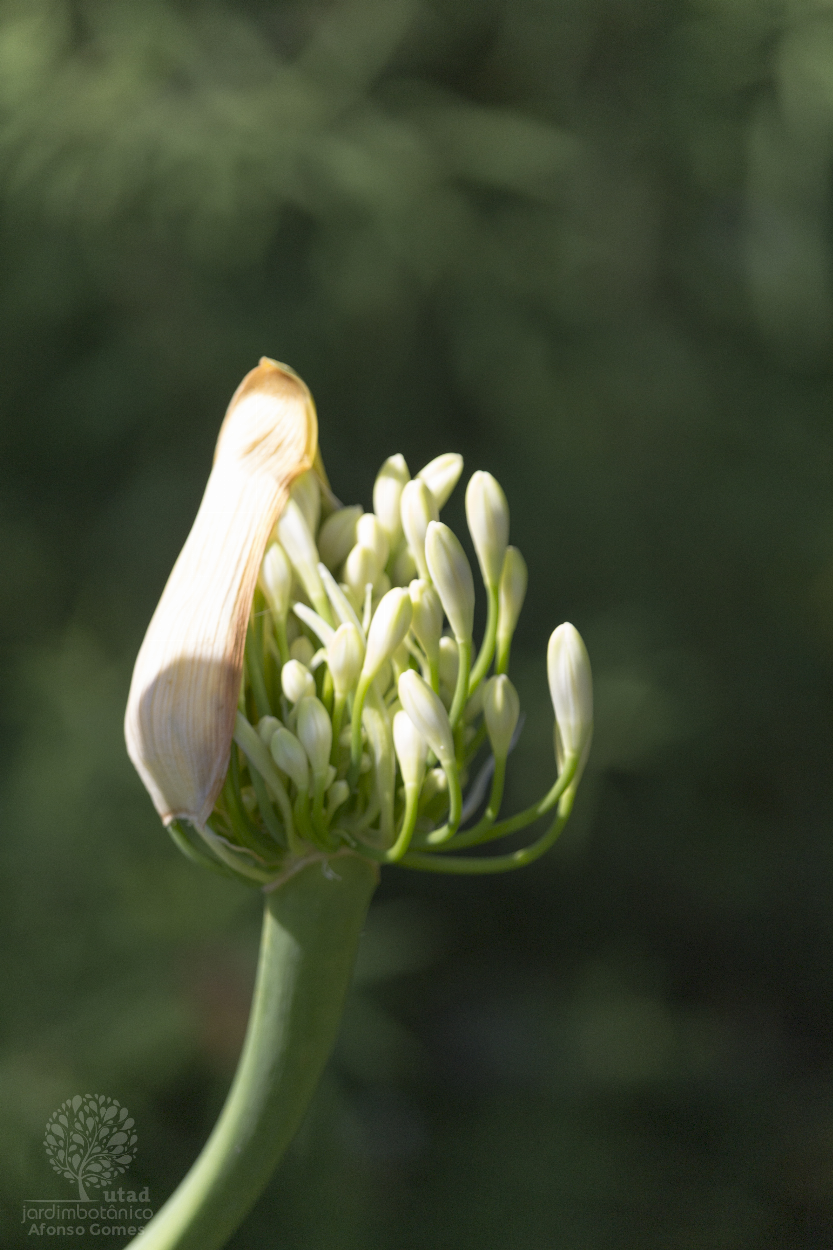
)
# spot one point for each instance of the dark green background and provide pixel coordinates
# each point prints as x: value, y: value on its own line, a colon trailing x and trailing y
x: 588, y: 244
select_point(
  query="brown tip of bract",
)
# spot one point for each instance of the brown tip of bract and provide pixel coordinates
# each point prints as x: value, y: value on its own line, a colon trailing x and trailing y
x: 183, y: 696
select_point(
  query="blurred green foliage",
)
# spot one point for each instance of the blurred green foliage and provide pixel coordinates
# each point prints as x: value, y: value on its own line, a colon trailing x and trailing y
x: 588, y: 244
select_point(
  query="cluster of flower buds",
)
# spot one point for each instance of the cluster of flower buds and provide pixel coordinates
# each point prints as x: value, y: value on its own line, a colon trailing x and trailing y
x: 366, y: 709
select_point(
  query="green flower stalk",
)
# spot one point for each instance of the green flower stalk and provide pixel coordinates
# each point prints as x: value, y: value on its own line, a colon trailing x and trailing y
x: 300, y: 718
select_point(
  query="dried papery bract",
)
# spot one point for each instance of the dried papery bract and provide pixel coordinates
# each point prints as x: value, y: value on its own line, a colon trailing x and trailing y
x: 183, y: 696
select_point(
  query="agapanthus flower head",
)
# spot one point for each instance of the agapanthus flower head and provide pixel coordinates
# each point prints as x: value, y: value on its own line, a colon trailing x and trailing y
x: 296, y: 695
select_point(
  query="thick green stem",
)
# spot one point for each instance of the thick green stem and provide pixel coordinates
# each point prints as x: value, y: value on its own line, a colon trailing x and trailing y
x: 311, y: 928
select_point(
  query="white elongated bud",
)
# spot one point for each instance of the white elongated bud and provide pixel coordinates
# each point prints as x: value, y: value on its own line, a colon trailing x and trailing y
x: 487, y: 513
x: 571, y: 690
x: 266, y: 726
x: 290, y: 757
x: 369, y: 533
x: 338, y: 793
x: 411, y: 749
x: 315, y: 733
x: 383, y: 678
x: 451, y: 574
x: 361, y: 568
x: 404, y: 568
x: 428, y: 714
x: 296, y: 681
x: 501, y: 709
x: 387, y: 492
x: 511, y: 593
x: 299, y: 545
x: 345, y: 656
x: 441, y: 475
x: 449, y: 663
x: 307, y: 494
x: 276, y: 580
x: 337, y: 536
x: 391, y: 622
x: 427, y: 622
x: 418, y: 509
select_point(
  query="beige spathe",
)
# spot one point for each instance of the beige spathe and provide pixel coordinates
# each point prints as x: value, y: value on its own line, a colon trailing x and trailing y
x: 183, y: 695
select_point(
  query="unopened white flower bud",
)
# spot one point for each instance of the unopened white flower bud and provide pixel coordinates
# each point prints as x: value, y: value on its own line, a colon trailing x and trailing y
x: 290, y: 757
x: 449, y: 663
x: 276, y: 580
x: 338, y: 793
x: 296, y: 681
x: 429, y: 716
x: 361, y: 568
x: 427, y: 622
x: 383, y: 679
x: 411, y: 749
x: 302, y: 649
x: 511, y: 594
x: 387, y: 492
x: 345, y: 656
x: 487, y: 513
x: 571, y: 690
x: 370, y: 533
x: 266, y: 726
x: 391, y: 622
x: 315, y: 733
x: 441, y: 475
x: 404, y: 568
x: 307, y: 494
x: 298, y: 543
x: 501, y: 709
x: 451, y: 574
x: 418, y: 510
x: 337, y: 536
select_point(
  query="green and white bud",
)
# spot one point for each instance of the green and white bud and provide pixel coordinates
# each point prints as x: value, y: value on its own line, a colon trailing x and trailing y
x: 487, y: 513
x: 571, y: 691
x: 404, y: 568
x: 315, y: 733
x: 303, y: 650
x: 501, y: 709
x: 307, y: 494
x: 345, y: 656
x: 411, y: 749
x: 370, y: 533
x: 451, y: 574
x: 266, y: 726
x: 276, y: 580
x: 427, y: 623
x: 298, y: 543
x: 337, y: 536
x: 361, y: 569
x: 441, y: 475
x: 418, y: 510
x: 511, y: 595
x: 290, y: 757
x: 429, y: 716
x: 391, y: 622
x: 387, y: 493
x: 449, y: 664
x: 297, y: 682
x: 338, y: 793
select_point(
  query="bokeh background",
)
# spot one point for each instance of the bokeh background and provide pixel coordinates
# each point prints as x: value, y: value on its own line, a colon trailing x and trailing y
x: 588, y: 244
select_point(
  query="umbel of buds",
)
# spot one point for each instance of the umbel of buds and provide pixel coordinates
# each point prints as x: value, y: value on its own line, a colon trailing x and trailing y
x: 296, y: 698
x: 309, y: 703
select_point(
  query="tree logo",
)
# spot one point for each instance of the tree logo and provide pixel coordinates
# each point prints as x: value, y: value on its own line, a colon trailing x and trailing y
x: 89, y: 1140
